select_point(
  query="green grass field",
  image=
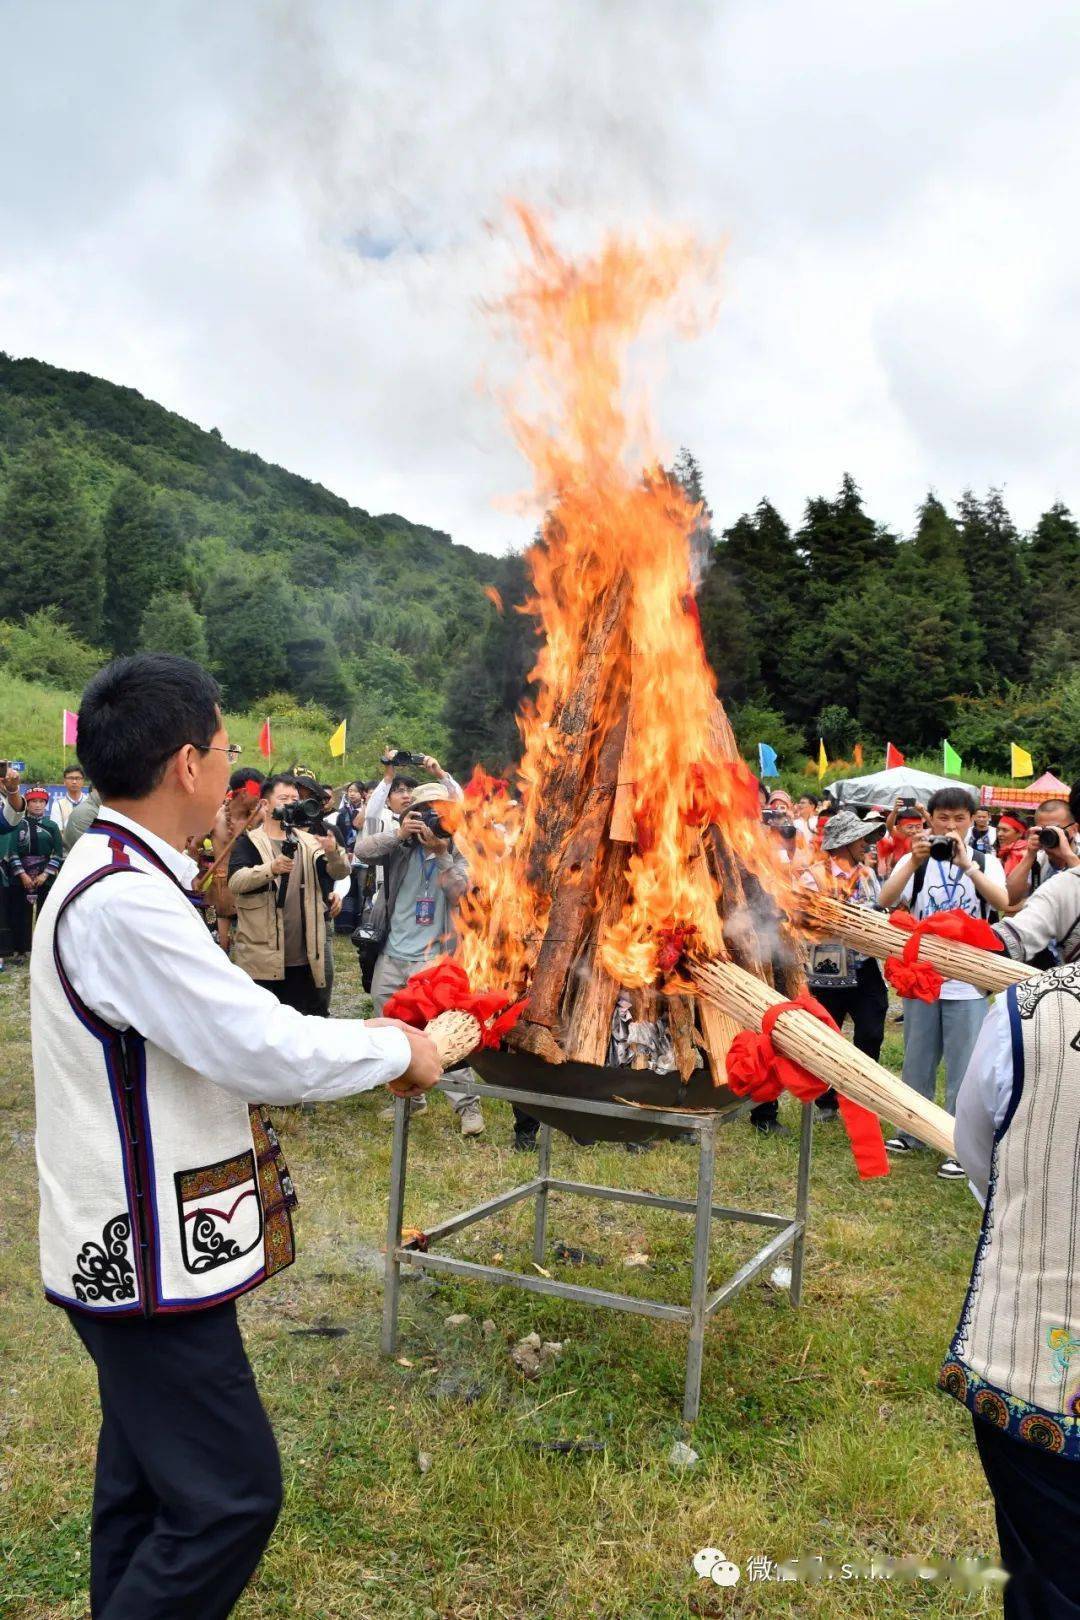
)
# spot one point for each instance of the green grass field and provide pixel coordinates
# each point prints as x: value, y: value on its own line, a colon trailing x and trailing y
x: 821, y: 1430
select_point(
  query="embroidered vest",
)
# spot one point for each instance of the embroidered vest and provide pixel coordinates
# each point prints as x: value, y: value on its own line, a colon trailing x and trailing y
x: 1015, y: 1358
x: 160, y: 1191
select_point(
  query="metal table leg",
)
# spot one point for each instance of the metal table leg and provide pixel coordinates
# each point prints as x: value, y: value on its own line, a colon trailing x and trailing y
x: 543, y: 1172
x: 399, y: 1155
x: 802, y: 1201
x: 700, y: 1289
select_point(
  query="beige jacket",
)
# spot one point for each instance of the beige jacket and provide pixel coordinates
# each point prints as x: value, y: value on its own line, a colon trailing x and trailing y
x: 259, y: 945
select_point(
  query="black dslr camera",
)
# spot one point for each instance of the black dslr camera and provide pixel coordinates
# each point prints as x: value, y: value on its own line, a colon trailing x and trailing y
x: 943, y: 849
x: 404, y: 757
x: 1048, y: 838
x: 778, y: 821
x: 431, y: 819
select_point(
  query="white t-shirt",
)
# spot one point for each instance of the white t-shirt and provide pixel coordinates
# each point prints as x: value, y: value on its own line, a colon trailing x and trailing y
x: 946, y: 888
x: 985, y: 840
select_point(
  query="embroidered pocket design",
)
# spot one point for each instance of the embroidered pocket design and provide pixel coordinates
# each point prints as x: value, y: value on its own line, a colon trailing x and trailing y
x: 220, y: 1212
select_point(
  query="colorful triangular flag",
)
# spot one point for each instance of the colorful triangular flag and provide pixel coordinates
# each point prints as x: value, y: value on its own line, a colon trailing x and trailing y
x: 266, y: 743
x: 767, y: 760
x: 337, y: 742
x: 71, y: 729
x: 893, y: 758
x: 1021, y: 762
x: 951, y: 760
x: 822, y: 759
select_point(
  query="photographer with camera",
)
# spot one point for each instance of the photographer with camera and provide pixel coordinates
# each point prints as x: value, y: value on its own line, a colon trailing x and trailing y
x: 1051, y: 848
x: 411, y: 920
x: 1045, y: 930
x: 389, y: 799
x: 281, y: 875
x: 942, y: 874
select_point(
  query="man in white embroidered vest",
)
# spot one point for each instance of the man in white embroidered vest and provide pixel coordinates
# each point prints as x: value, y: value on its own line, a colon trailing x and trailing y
x: 1015, y: 1358
x: 163, y: 1191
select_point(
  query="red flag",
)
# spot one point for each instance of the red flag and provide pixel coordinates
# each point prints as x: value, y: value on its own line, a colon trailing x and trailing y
x: 266, y: 746
x: 893, y: 758
x: 858, y: 754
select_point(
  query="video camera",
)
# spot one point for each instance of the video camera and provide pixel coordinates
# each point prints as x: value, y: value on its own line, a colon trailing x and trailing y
x: 402, y: 756
x: 305, y: 814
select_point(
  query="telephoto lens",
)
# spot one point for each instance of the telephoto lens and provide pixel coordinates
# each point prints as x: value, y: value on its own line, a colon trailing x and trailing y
x: 1048, y: 838
x: 942, y: 849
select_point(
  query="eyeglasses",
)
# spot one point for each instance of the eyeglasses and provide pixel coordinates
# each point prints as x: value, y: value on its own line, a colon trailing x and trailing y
x: 232, y: 752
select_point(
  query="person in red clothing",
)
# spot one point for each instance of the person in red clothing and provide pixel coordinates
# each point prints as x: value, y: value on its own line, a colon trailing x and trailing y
x: 900, y: 828
x: 1011, y: 841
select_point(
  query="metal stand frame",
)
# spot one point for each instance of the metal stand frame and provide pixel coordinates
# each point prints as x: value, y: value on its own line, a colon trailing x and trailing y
x: 788, y: 1231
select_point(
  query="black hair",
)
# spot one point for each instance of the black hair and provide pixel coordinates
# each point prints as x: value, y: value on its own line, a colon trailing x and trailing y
x: 69, y: 768
x: 242, y: 776
x: 951, y: 798
x: 269, y: 783
x: 401, y: 782
x: 137, y: 713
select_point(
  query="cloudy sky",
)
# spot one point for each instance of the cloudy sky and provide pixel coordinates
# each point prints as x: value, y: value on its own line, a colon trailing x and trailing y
x: 276, y: 219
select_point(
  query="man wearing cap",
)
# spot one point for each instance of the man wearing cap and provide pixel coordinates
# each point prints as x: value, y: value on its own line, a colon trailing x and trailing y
x: 424, y: 878
x: 845, y: 982
x: 282, y: 902
x: 33, y: 862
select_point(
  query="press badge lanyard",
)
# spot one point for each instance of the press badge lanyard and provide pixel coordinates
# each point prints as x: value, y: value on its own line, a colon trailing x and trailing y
x: 425, y: 905
x: 951, y: 888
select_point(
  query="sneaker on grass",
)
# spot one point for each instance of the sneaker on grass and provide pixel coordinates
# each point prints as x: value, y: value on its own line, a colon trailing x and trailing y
x: 897, y: 1145
x: 472, y: 1117
x: 949, y: 1170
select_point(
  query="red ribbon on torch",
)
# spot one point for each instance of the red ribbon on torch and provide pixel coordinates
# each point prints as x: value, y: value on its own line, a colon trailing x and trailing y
x: 755, y: 1069
x: 920, y: 981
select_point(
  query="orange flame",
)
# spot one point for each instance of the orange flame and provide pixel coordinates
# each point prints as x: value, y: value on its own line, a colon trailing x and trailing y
x: 615, y: 546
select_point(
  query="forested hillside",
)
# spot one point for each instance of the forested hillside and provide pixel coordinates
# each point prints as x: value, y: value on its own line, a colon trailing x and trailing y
x: 142, y: 529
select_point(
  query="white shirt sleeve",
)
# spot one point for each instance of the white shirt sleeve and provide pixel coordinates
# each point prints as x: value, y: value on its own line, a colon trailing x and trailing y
x: 7, y: 814
x: 140, y: 957
x: 984, y: 1097
x: 375, y: 806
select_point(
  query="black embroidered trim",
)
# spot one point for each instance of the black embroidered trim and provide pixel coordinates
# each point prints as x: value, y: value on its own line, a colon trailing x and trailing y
x: 1031, y: 992
x: 105, y: 1272
x: 209, y: 1247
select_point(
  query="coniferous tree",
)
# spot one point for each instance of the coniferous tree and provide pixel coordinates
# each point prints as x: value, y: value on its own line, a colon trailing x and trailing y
x: 249, y: 617
x: 759, y: 556
x: 840, y: 541
x: 997, y: 568
x: 933, y: 567
x: 1054, y: 591
x: 135, y: 561
x: 51, y: 556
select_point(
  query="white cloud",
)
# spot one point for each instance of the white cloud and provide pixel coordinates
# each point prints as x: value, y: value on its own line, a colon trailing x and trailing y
x: 275, y: 219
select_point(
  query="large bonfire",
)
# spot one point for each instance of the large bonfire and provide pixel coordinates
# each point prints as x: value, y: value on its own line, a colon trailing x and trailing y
x: 632, y: 835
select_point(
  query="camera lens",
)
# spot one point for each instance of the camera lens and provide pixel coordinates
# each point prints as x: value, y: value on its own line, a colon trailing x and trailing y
x: 941, y: 849
x: 1048, y: 838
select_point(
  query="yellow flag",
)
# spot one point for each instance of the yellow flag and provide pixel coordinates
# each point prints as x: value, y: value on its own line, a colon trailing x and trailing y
x: 822, y: 759
x: 337, y: 742
x: 1021, y: 762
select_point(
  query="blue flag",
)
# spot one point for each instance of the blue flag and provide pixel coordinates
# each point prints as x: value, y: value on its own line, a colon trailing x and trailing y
x: 767, y: 760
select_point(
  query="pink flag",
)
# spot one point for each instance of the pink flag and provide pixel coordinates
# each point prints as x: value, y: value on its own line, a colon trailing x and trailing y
x: 71, y: 729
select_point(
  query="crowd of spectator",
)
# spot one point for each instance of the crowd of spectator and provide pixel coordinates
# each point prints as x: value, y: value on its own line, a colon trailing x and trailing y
x: 289, y: 860
x: 946, y: 854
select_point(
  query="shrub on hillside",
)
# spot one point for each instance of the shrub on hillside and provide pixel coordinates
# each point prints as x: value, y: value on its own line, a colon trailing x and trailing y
x: 42, y: 648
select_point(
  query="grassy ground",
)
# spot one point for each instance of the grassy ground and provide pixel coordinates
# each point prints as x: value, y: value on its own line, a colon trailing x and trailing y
x: 821, y: 1431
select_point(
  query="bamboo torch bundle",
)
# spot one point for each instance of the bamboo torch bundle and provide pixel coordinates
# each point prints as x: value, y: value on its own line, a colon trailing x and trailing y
x: 808, y: 1041
x: 873, y: 933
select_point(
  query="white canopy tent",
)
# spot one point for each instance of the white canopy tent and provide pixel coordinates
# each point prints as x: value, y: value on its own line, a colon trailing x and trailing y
x: 885, y: 787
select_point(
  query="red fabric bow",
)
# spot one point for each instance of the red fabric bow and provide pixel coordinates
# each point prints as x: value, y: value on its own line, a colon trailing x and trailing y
x: 757, y: 1070
x: 920, y: 981
x: 445, y: 987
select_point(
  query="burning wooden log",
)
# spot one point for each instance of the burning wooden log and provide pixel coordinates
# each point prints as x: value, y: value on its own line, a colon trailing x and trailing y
x: 872, y: 933
x: 826, y: 1054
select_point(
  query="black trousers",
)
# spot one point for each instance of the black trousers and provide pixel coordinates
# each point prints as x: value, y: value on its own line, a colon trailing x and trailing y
x: 188, y: 1482
x: 1037, y: 1504
x: 867, y: 1004
x: 298, y: 989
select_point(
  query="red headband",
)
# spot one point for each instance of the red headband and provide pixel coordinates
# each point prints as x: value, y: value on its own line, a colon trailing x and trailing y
x: 1012, y: 821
